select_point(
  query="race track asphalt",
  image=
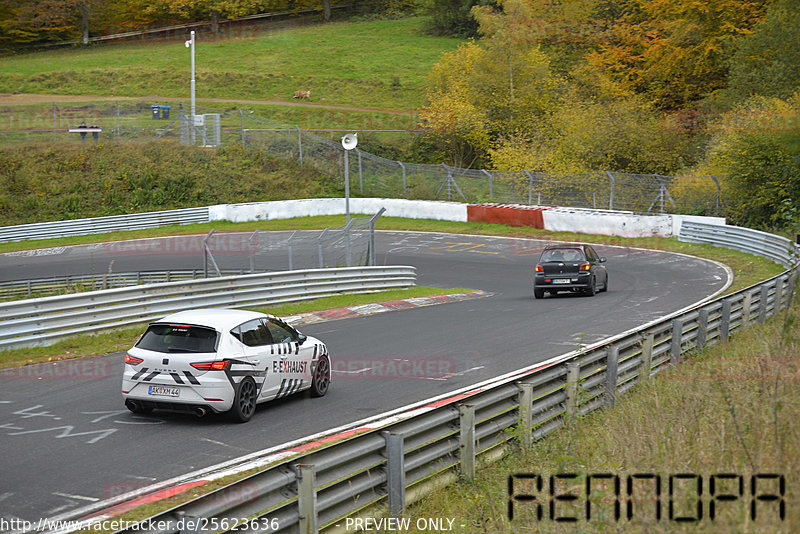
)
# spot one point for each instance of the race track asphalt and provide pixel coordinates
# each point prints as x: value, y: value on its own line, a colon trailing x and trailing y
x: 68, y: 441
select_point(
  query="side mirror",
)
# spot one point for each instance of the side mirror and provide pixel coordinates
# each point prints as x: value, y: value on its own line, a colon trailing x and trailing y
x: 602, y: 260
x: 301, y: 338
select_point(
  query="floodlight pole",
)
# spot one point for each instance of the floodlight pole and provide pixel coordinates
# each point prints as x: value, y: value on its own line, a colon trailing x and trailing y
x: 191, y: 42
x: 346, y: 186
x: 349, y: 142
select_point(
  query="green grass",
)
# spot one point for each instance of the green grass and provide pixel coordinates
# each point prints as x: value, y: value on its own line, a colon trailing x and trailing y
x: 375, y: 64
x: 731, y: 408
x: 123, y: 338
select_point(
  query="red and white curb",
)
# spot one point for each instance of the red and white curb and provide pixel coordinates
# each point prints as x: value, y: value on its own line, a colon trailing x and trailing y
x: 381, y: 307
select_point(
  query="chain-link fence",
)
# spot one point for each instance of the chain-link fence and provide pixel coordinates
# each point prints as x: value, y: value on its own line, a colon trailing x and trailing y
x: 375, y: 176
x: 351, y: 245
x: 370, y: 175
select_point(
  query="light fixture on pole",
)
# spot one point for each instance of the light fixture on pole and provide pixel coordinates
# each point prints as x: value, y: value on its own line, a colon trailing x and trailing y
x: 190, y: 44
x: 349, y: 142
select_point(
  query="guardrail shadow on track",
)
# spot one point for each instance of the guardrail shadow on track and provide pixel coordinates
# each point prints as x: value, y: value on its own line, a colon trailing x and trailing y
x: 376, y: 471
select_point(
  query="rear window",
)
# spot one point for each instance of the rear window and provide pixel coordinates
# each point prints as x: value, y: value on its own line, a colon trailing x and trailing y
x: 562, y: 254
x: 178, y: 338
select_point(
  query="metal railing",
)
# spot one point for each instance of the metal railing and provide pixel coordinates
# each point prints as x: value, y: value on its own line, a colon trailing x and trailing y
x: 95, y: 282
x: 102, y: 225
x: 45, y: 320
x: 372, y: 473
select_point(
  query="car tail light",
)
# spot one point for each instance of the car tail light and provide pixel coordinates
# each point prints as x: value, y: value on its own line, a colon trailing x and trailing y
x: 586, y: 267
x: 211, y: 366
x: 132, y: 360
x: 539, y: 268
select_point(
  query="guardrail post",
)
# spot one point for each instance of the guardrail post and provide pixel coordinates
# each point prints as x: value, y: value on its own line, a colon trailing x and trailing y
x: 612, y: 355
x: 778, y: 302
x: 307, y: 498
x: 748, y: 302
x: 573, y: 376
x: 396, y: 473
x: 763, y: 300
x: 190, y: 524
x: 677, y: 337
x: 466, y: 445
x: 525, y: 419
x: 702, y: 328
x: 647, y: 356
x: 725, y: 320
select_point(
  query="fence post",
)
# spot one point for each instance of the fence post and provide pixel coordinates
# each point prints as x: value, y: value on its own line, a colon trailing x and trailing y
x: 466, y: 445
x: 371, y: 252
x: 491, y: 184
x: 55, y: 120
x: 299, y: 144
x: 307, y: 498
x: 725, y: 320
x: 763, y: 300
x: 396, y: 473
x: 525, y: 419
x: 611, y: 191
x: 319, y: 247
x: 403, y: 168
x: 746, y: 304
x: 719, y: 189
x: 677, y: 337
x: 612, y: 355
x: 573, y: 375
x: 360, y: 175
x: 702, y: 328
x: 530, y: 187
x: 647, y: 355
x: 117, y: 132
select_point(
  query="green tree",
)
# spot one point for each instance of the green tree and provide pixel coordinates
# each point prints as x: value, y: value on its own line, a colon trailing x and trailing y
x: 756, y: 149
x: 767, y: 62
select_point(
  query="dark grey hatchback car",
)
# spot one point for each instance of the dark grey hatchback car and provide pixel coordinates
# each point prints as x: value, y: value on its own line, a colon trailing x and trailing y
x: 569, y: 267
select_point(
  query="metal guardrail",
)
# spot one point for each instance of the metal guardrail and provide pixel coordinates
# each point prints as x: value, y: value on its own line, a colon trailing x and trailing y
x: 775, y: 248
x: 96, y: 282
x: 101, y: 225
x: 45, y: 320
x: 371, y: 474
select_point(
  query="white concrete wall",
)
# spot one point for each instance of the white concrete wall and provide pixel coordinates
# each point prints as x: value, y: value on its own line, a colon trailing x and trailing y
x: 287, y: 209
x: 579, y: 220
x: 607, y: 223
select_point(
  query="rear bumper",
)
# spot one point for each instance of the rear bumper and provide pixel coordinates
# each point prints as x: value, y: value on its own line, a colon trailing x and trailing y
x: 215, y: 399
x: 576, y: 281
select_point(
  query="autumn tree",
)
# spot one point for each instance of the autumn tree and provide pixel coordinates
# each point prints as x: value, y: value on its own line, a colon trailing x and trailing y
x: 673, y: 52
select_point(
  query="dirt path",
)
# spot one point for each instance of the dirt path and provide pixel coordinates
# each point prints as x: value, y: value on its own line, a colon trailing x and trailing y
x: 20, y: 99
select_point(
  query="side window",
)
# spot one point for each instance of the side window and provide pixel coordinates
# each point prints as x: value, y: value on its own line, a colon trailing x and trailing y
x: 280, y: 332
x: 252, y: 333
x: 591, y: 255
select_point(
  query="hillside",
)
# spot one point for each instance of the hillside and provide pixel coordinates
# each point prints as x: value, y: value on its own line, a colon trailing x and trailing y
x: 48, y: 183
x: 369, y: 64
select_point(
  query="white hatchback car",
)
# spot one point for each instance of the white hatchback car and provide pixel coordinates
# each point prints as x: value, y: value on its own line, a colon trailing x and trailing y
x: 221, y: 360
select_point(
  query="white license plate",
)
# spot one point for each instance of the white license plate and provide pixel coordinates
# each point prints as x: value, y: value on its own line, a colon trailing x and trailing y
x: 162, y: 391
x: 561, y: 280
